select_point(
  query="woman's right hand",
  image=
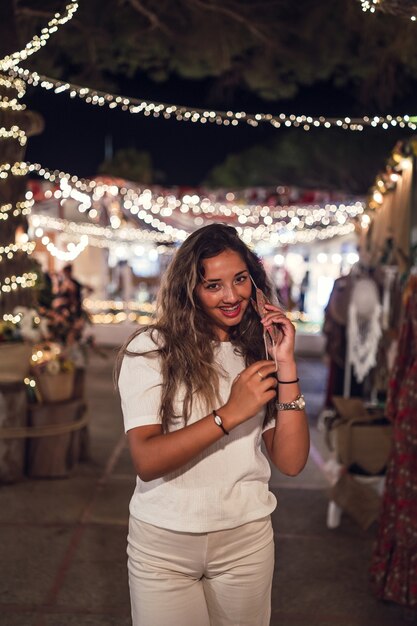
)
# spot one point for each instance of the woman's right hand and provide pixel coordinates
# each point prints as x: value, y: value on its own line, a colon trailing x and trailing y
x: 251, y: 390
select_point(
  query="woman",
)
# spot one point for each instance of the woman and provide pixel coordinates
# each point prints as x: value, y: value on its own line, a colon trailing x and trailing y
x: 198, y: 395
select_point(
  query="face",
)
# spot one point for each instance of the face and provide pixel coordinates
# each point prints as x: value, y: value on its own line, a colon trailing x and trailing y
x: 224, y: 292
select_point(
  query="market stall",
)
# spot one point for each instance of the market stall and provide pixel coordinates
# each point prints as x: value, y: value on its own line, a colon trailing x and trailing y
x: 369, y: 314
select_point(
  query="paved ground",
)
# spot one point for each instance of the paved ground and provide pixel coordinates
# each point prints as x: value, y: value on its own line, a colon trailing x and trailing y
x: 62, y: 542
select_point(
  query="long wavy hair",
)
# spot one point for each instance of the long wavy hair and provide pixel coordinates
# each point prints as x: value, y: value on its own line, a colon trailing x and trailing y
x: 183, y: 333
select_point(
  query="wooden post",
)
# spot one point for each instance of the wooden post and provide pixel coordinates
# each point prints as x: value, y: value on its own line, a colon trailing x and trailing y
x: 13, y: 413
x: 84, y: 434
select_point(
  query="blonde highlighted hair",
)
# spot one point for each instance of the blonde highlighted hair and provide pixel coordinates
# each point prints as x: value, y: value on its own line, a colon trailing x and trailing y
x: 183, y: 335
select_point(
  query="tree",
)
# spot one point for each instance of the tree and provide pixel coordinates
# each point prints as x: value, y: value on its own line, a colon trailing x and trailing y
x: 328, y: 159
x: 129, y: 164
x: 15, y: 265
x: 268, y: 47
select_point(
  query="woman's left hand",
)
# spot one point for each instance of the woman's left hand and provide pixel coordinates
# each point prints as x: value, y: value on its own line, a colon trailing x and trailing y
x: 283, y: 350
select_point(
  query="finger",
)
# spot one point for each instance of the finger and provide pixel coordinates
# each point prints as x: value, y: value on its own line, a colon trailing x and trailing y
x: 251, y: 369
x: 264, y: 372
x: 275, y: 312
x: 276, y: 315
x: 274, y: 307
x: 282, y: 322
x: 270, y: 382
x: 271, y: 395
x: 279, y: 322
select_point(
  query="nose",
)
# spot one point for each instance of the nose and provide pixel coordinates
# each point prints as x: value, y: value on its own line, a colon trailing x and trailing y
x: 229, y: 294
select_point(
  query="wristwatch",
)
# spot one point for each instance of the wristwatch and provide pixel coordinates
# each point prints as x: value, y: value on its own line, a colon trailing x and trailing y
x: 296, y: 405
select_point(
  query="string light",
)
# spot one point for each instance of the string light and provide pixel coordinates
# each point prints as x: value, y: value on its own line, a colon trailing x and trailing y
x: 13, y: 133
x: 278, y: 224
x: 118, y: 305
x: 387, y: 180
x: 100, y: 236
x: 119, y: 311
x: 12, y: 319
x: 203, y: 116
x: 13, y: 104
x: 104, y: 234
x: 20, y: 168
x: 369, y: 5
x: 135, y: 199
x: 21, y: 208
x: 118, y: 318
x: 404, y: 9
x: 30, y: 382
x: 10, y: 250
x: 12, y: 89
x: 12, y: 82
x: 73, y: 251
x: 38, y: 41
x: 12, y: 283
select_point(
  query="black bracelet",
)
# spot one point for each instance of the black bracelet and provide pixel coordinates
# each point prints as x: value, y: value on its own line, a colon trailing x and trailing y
x: 288, y: 382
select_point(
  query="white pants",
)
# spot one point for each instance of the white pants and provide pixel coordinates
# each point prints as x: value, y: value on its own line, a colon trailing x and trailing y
x: 221, y: 578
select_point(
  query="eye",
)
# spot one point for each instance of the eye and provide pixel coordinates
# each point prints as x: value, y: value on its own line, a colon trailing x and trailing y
x: 211, y: 286
x: 241, y: 279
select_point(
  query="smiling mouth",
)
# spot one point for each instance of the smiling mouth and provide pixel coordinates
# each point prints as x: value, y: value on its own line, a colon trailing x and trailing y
x: 231, y: 311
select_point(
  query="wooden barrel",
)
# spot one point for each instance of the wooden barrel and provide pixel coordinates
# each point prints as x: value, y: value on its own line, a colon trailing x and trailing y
x: 54, y: 456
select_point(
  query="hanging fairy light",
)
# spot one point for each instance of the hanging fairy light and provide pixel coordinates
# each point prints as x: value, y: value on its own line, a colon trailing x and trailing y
x: 143, y: 203
x: 38, y: 41
x: 278, y: 224
x: 369, y: 5
x: 13, y: 133
x: 20, y: 168
x: 386, y: 181
x: 104, y: 237
x: 11, y: 103
x: 12, y: 283
x: 94, y: 232
x: 72, y: 252
x: 403, y: 8
x: 12, y: 82
x: 119, y: 311
x: 9, y: 251
x: 12, y: 90
x: 20, y: 208
x: 204, y: 116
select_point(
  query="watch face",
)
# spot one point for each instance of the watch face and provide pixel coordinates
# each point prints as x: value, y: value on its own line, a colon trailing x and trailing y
x: 301, y: 402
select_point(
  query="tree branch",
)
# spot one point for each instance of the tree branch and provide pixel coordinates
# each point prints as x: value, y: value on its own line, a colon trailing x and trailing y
x: 154, y: 20
x: 237, y: 17
x: 27, y: 11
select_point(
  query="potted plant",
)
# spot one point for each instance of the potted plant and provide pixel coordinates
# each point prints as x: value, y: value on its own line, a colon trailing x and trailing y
x: 53, y: 372
x: 16, y: 346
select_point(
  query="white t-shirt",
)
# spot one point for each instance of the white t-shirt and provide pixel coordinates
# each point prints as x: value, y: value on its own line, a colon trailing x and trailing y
x: 226, y: 485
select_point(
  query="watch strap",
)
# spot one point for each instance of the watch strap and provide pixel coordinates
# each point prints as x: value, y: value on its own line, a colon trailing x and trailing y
x: 295, y: 405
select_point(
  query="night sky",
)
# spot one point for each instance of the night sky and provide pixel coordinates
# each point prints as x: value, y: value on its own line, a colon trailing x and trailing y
x: 75, y: 135
x: 75, y: 132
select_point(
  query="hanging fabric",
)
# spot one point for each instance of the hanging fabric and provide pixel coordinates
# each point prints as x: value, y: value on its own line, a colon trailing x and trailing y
x: 394, y: 561
x: 364, y: 327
